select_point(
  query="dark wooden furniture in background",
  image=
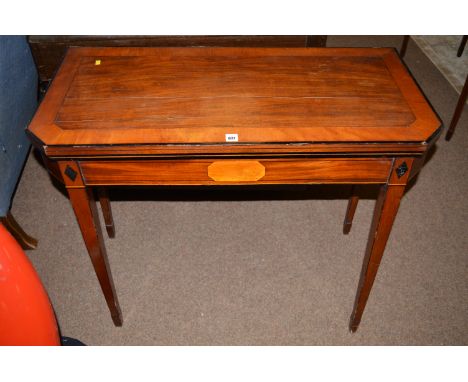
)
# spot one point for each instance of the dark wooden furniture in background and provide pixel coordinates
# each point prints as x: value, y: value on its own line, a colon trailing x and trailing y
x: 461, y: 48
x: 23, y: 239
x: 49, y: 51
x: 458, y: 110
x: 404, y: 45
x: 462, y: 99
x: 233, y: 116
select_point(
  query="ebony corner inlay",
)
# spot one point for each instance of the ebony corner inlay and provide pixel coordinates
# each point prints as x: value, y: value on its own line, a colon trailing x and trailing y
x: 402, y: 169
x: 70, y: 173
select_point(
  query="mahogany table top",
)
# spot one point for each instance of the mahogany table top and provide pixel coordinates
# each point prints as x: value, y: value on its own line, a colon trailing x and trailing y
x: 196, y: 96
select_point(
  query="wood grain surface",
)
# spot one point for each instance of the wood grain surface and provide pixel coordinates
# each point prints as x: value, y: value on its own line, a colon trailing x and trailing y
x: 161, y: 96
x: 48, y: 51
x: 196, y: 172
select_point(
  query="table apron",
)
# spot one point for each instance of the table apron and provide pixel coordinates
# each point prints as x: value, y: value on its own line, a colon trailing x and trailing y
x: 235, y: 171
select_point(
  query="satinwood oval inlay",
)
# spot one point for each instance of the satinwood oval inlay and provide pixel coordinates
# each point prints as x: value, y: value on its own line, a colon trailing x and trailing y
x: 236, y: 171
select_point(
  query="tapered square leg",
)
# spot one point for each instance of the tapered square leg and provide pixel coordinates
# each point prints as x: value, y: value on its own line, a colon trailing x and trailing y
x: 84, y: 206
x: 106, y: 211
x: 352, y: 205
x: 385, y: 211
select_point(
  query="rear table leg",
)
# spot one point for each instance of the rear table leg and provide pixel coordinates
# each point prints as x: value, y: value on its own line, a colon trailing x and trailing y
x: 106, y: 211
x: 352, y: 204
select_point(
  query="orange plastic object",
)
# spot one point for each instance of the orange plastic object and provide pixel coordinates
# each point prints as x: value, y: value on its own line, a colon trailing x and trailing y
x: 26, y: 315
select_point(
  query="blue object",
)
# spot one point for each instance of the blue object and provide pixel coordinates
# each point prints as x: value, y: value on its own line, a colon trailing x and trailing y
x: 18, y: 102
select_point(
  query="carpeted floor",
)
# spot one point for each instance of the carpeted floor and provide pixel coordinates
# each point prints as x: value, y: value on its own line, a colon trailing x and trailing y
x: 442, y: 51
x: 266, y: 267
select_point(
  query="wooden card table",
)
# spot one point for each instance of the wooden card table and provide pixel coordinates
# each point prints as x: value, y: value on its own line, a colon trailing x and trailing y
x: 233, y: 116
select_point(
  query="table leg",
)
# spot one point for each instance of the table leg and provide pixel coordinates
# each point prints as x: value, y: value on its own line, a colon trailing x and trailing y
x: 352, y: 204
x: 106, y: 211
x: 458, y: 110
x: 385, y: 211
x: 84, y: 205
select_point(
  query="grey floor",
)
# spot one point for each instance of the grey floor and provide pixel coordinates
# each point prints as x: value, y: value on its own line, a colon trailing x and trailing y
x: 266, y: 267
